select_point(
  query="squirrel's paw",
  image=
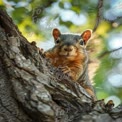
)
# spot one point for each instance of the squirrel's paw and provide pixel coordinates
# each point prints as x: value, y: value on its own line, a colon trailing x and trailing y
x: 65, y: 69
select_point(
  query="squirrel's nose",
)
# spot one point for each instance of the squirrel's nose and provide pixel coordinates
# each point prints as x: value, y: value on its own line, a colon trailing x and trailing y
x: 68, y: 49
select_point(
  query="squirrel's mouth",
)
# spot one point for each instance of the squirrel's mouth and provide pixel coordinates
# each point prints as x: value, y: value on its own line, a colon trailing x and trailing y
x: 68, y: 55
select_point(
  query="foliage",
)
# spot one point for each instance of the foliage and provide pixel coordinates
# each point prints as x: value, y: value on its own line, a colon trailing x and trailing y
x: 36, y: 18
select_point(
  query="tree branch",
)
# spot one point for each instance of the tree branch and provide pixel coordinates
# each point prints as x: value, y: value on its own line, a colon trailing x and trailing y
x: 99, y: 14
x: 108, y: 52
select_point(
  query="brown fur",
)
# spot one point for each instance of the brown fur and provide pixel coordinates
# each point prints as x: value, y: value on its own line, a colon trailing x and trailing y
x: 72, y: 64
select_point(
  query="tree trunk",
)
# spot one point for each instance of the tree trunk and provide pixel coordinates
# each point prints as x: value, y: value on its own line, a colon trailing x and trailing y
x: 30, y: 92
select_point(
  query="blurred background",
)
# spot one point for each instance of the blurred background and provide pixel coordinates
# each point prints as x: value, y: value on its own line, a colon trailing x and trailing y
x: 36, y: 19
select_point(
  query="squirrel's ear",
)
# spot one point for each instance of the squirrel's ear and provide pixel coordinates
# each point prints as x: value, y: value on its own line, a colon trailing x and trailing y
x: 86, y: 35
x: 56, y: 33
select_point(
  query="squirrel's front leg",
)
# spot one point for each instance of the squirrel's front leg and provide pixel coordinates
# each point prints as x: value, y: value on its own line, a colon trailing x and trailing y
x: 71, y: 73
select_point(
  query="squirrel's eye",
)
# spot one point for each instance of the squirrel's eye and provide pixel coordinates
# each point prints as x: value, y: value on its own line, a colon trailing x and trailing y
x: 81, y: 42
x: 57, y: 41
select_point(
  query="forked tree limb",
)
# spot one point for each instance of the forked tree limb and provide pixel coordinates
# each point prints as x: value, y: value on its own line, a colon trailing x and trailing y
x: 30, y: 92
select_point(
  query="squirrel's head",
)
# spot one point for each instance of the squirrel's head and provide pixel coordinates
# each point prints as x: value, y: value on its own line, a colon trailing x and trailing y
x: 68, y: 45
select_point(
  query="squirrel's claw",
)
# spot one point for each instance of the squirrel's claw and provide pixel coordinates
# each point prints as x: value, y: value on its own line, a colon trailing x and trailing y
x: 65, y: 69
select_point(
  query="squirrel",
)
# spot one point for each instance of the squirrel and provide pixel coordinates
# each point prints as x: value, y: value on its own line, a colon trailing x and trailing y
x: 70, y: 55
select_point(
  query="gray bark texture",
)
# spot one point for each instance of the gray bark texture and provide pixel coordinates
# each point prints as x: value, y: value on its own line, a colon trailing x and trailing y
x: 30, y: 92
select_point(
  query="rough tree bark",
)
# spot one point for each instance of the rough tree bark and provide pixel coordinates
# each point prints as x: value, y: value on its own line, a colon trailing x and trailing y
x: 30, y: 92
